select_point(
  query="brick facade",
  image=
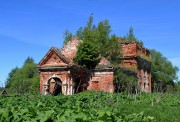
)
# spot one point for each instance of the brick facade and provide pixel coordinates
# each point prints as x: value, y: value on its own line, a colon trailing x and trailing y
x: 59, y: 74
x: 133, y: 53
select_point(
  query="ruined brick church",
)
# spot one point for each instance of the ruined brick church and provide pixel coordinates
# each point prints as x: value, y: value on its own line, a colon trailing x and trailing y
x: 60, y: 75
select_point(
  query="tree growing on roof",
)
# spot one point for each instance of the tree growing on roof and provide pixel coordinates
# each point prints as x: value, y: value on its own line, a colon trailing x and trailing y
x: 130, y: 37
x: 98, y: 36
x: 67, y: 36
x: 87, y: 54
x: 97, y: 41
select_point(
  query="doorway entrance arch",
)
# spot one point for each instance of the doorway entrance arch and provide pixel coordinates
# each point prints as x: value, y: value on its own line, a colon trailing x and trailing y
x: 55, y: 86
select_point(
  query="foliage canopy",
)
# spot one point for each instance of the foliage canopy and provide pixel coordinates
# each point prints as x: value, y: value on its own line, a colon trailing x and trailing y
x: 87, y: 54
x: 163, y: 72
x: 97, y: 39
x: 130, y: 37
x: 98, y: 42
x: 25, y: 79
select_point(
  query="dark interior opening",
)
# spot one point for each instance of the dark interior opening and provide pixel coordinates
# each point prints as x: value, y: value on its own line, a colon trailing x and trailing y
x: 56, y: 86
x: 78, y: 86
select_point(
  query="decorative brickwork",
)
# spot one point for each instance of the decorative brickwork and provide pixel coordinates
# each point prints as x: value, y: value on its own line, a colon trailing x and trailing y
x: 59, y: 74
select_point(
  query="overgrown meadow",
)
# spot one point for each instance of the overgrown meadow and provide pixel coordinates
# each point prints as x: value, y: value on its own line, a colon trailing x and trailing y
x: 91, y: 106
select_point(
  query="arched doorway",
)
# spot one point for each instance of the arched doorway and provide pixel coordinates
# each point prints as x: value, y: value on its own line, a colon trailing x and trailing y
x: 55, y: 86
x: 77, y: 86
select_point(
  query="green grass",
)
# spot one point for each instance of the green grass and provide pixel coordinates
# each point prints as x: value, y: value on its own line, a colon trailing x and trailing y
x: 91, y: 106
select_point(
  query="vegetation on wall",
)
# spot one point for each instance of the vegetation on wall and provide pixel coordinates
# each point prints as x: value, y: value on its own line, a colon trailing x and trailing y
x: 125, y: 81
x: 143, y: 63
x: 98, y: 38
x: 98, y: 42
x: 90, y: 105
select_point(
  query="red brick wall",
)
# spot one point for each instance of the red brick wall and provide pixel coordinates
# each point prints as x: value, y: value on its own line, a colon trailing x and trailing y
x: 54, y: 61
x: 92, y: 80
x: 129, y: 52
x: 66, y: 77
x: 144, y: 80
x: 129, y: 49
x: 102, y: 81
x: 69, y: 50
x: 132, y: 49
x: 46, y: 76
x: 130, y: 62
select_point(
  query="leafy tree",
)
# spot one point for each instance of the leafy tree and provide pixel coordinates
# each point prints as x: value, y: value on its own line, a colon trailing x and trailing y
x: 130, y: 37
x: 20, y: 82
x: 67, y: 36
x: 10, y: 75
x: 97, y: 42
x: 1, y: 89
x: 125, y: 81
x: 177, y: 86
x: 87, y: 54
x: 105, y: 45
x: 89, y: 32
x: 98, y: 34
x: 28, y: 60
x: 90, y: 21
x: 79, y: 33
x: 163, y: 72
x: 112, y: 50
x: 25, y: 79
x: 35, y: 83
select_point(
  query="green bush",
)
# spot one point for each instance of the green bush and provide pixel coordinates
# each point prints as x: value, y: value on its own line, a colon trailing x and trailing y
x: 91, y: 106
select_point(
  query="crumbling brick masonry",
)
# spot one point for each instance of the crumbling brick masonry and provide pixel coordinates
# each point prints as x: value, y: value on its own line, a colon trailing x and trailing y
x: 59, y: 74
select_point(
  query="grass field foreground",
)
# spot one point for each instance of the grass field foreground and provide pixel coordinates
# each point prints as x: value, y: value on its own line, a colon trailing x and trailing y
x: 91, y: 106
